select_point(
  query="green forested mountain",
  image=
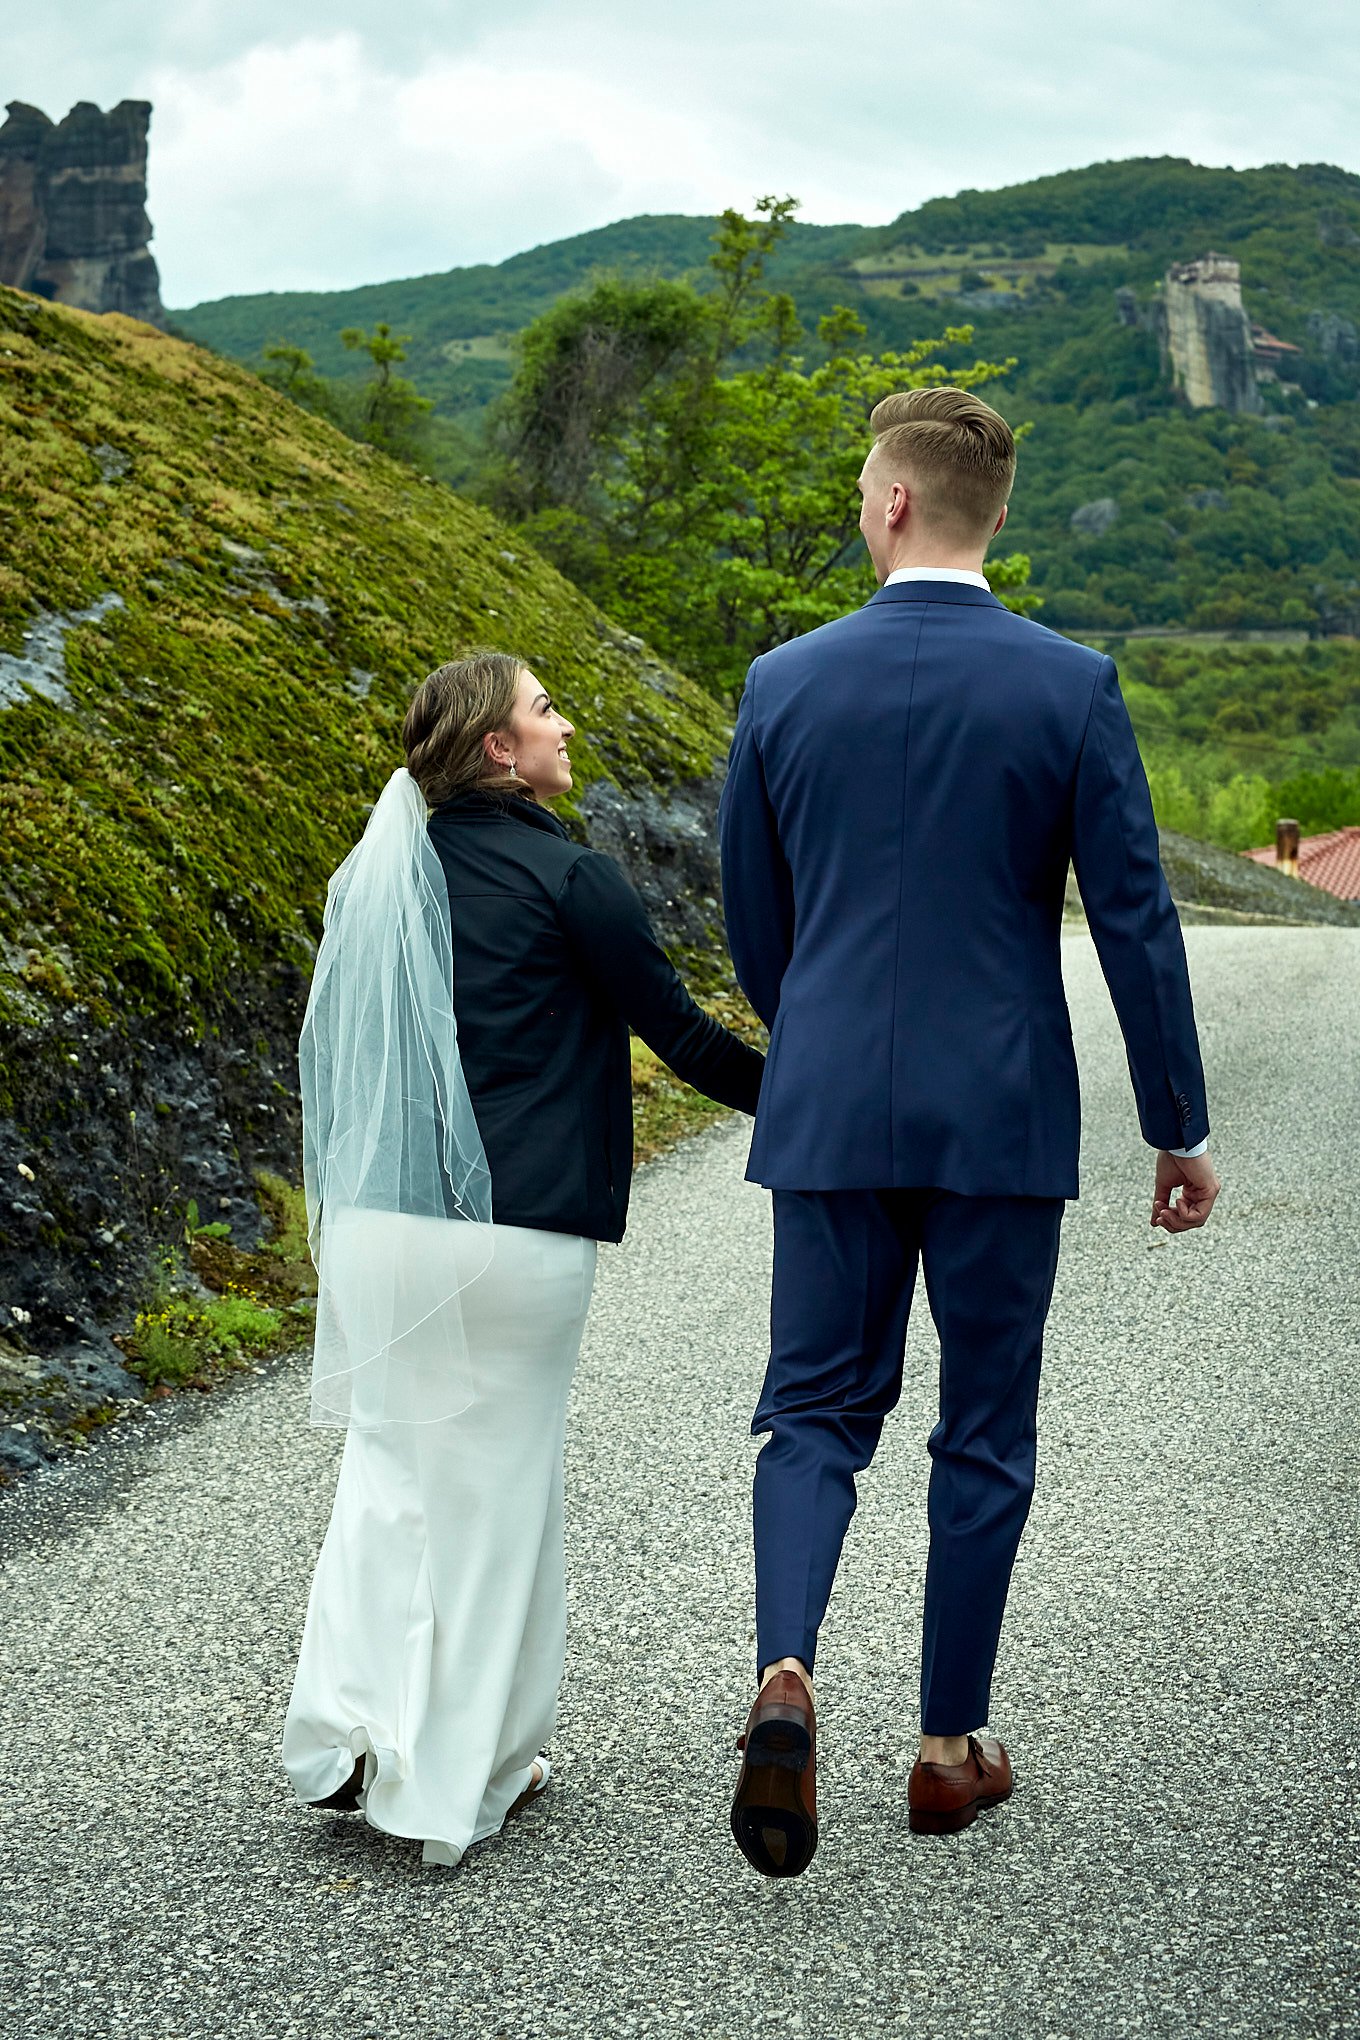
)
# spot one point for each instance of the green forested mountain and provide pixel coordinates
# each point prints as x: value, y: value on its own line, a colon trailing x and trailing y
x: 1219, y: 522
x: 1147, y: 523
x: 462, y: 322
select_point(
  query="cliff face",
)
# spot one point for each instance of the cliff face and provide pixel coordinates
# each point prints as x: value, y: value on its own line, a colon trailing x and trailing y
x: 1206, y: 333
x: 73, y: 222
x: 23, y: 227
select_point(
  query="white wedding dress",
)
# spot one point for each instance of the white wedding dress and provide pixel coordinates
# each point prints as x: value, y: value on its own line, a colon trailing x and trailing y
x: 436, y: 1629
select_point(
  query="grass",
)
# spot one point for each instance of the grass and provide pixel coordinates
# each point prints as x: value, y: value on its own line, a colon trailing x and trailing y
x: 182, y: 1341
x: 286, y: 1208
x: 907, y: 259
x: 169, y: 821
x: 480, y: 347
x: 938, y: 276
x: 216, y: 1311
x: 242, y: 1305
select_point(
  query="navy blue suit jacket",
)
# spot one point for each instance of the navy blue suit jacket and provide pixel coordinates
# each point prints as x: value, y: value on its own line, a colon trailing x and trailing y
x: 907, y: 786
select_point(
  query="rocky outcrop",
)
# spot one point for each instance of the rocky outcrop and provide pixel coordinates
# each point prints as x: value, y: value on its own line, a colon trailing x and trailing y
x: 23, y: 224
x: 97, y: 1120
x: 1223, y: 886
x: 1335, y: 338
x: 1206, y: 335
x: 73, y: 222
x: 1209, y: 884
x: 1093, y: 520
x: 1335, y: 230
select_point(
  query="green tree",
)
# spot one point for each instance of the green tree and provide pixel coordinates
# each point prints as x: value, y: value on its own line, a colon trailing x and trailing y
x: 1241, y: 814
x: 1174, y: 800
x: 393, y: 412
x: 689, y: 455
x: 585, y: 367
x: 1318, y: 801
x: 292, y: 370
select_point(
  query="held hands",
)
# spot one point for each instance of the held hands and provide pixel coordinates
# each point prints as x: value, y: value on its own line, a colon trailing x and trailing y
x: 1198, y: 1185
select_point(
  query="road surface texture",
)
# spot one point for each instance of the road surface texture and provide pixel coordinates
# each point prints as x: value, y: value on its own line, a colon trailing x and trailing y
x: 1178, y: 1681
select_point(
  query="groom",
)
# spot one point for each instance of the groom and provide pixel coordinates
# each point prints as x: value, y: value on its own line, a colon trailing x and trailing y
x: 906, y: 790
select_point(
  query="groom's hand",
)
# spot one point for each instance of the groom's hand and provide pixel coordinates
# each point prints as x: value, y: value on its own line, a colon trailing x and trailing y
x: 1198, y: 1184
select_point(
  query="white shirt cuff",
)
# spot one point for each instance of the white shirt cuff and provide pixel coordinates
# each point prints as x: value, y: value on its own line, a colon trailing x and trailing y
x: 1188, y: 1154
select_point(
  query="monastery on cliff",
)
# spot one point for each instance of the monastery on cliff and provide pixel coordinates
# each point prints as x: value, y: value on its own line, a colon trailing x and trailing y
x: 1215, y: 353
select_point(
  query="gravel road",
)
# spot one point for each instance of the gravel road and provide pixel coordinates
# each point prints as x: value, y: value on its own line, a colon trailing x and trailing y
x: 1178, y: 1682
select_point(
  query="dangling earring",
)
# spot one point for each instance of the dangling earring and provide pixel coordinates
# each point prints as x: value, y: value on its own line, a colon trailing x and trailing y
x: 513, y: 773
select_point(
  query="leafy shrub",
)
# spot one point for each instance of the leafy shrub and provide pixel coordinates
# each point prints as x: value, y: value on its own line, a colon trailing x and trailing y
x: 178, y: 1339
x: 286, y: 1207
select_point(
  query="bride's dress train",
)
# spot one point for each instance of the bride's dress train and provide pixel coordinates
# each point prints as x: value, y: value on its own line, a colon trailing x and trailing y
x: 436, y: 1628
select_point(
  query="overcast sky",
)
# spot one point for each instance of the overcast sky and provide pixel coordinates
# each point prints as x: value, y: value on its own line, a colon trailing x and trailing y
x: 302, y: 145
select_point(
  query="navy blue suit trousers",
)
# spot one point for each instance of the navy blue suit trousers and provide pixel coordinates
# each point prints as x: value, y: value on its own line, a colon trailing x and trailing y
x: 845, y: 1265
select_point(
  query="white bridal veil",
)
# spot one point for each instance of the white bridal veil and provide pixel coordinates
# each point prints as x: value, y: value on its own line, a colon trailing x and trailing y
x: 398, y: 1192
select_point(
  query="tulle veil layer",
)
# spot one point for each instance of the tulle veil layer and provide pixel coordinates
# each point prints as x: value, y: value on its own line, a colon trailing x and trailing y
x: 397, y: 1185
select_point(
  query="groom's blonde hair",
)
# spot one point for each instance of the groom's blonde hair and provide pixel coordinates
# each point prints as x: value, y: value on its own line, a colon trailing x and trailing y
x: 957, y: 452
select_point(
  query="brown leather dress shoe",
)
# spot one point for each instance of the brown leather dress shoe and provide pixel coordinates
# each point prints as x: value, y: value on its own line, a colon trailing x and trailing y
x: 774, y: 1814
x: 942, y: 1798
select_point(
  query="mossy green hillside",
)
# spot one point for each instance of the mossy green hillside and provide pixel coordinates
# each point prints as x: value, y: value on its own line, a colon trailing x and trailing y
x: 168, y: 821
x: 213, y: 610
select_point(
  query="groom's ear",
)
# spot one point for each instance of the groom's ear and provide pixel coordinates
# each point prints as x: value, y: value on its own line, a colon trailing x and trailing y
x: 1005, y: 513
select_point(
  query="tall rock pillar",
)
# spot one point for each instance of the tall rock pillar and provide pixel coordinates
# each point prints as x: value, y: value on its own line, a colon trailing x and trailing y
x: 23, y: 226
x: 1206, y: 334
x: 73, y: 222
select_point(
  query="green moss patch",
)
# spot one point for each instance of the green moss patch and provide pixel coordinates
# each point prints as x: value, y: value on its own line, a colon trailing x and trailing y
x: 218, y: 1307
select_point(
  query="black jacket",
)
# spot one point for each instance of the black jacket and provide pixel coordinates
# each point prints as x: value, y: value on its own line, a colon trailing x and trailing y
x: 553, y: 961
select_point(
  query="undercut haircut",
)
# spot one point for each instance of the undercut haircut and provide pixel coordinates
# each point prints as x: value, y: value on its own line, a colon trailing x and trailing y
x: 957, y: 453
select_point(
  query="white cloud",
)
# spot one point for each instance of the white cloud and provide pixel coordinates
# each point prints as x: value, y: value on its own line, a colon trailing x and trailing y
x: 302, y: 166
x: 296, y: 145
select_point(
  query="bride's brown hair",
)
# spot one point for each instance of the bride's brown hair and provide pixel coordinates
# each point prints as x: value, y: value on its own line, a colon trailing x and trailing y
x: 452, y: 711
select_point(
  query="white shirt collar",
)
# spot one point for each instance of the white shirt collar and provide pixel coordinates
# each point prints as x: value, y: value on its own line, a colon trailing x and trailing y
x: 965, y: 575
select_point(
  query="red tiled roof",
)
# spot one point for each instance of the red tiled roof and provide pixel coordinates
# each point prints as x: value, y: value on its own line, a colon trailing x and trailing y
x: 1272, y: 342
x: 1331, y: 861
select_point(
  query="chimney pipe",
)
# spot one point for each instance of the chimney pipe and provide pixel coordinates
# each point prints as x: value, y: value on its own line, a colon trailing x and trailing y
x: 1287, y: 847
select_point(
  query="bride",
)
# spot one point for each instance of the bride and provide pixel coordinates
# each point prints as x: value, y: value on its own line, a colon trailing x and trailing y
x: 467, y: 1134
